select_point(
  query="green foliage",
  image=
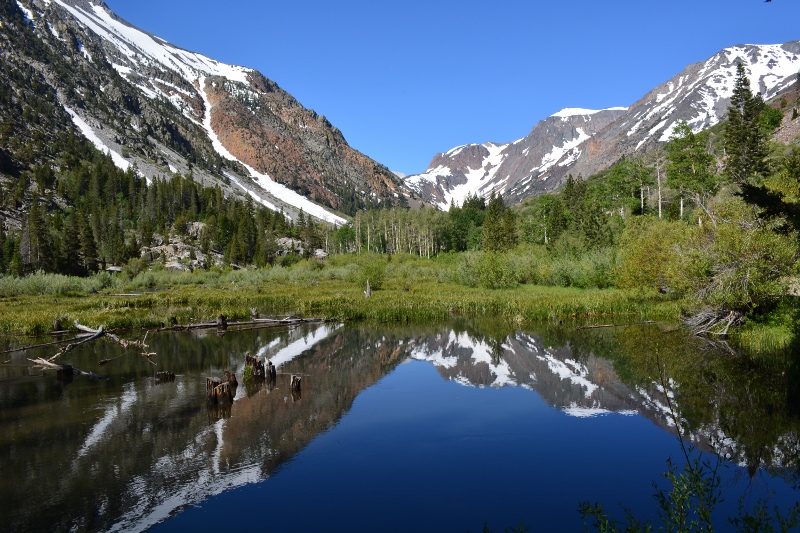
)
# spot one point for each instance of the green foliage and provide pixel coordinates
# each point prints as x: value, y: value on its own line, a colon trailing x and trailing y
x: 745, y: 138
x: 771, y: 118
x: 372, y: 269
x: 688, y: 506
x: 689, y: 165
x: 494, y: 271
x: 741, y: 264
x: 648, y: 247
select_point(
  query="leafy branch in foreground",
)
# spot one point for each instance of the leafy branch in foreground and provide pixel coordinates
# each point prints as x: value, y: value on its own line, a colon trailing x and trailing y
x: 688, y: 505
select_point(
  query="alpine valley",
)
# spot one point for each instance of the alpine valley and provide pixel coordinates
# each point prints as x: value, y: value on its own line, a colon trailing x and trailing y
x: 583, y: 141
x: 166, y: 110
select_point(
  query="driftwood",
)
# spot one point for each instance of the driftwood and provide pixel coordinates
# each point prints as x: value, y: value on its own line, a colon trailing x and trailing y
x: 54, y: 343
x: 64, y: 371
x: 714, y: 321
x: 257, y: 323
x: 616, y: 325
x: 96, y: 334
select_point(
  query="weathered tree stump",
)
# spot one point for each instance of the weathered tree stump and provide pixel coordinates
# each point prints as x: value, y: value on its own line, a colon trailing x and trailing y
x: 58, y: 323
x: 229, y: 377
x: 258, y: 368
x: 165, y: 377
x: 211, y: 385
x: 222, y: 390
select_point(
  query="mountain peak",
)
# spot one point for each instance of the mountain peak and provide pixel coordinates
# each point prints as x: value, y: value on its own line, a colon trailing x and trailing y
x: 582, y: 141
x: 573, y: 111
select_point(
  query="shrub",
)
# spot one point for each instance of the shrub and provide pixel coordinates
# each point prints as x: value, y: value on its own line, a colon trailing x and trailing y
x: 647, y: 248
x: 373, y: 270
x: 494, y: 271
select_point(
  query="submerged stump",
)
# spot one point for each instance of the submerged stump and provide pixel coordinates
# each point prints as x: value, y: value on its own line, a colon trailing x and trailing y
x: 221, y: 389
x: 164, y: 377
x: 258, y: 369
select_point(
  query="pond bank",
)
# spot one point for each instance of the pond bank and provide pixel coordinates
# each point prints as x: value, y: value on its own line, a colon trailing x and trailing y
x: 34, y: 315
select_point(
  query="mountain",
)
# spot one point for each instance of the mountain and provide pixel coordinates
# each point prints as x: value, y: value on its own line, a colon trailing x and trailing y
x: 163, y: 109
x: 582, y: 142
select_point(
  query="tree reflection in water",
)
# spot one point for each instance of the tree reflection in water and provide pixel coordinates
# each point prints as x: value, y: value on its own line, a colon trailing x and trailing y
x: 157, y: 451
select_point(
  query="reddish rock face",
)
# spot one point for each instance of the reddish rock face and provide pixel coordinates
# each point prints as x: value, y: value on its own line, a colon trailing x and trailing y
x: 267, y: 129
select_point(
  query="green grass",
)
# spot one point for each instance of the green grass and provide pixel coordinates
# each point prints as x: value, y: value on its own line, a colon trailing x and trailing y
x: 400, y: 300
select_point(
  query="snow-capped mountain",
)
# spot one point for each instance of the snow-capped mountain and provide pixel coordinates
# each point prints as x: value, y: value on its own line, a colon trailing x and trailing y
x: 575, y: 141
x: 578, y: 384
x: 553, y: 144
x: 149, y: 103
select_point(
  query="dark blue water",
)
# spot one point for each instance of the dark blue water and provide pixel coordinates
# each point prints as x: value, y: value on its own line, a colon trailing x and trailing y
x: 418, y: 453
x: 418, y: 428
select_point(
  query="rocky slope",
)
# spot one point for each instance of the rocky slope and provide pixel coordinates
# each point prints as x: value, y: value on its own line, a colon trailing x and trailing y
x: 163, y: 109
x: 583, y: 142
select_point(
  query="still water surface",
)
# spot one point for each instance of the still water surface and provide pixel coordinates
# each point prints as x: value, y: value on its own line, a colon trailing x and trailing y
x: 417, y: 428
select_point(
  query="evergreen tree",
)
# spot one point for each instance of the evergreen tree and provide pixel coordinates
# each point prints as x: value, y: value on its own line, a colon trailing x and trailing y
x: 745, y: 140
x: 69, y: 254
x: 492, y: 237
x: 88, y: 246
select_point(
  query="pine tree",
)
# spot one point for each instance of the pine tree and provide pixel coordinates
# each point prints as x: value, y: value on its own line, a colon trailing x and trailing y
x: 88, y: 246
x: 69, y: 256
x: 746, y: 147
x: 492, y: 237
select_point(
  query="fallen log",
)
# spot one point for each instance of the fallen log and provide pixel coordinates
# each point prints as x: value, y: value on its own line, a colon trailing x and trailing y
x: 96, y: 334
x: 259, y: 323
x: 54, y: 343
x: 64, y: 370
x: 616, y: 325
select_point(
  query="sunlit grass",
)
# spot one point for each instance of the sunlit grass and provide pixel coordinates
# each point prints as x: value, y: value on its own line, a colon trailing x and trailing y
x: 400, y: 300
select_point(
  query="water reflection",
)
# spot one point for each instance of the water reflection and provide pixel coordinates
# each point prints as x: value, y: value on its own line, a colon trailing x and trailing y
x: 126, y: 452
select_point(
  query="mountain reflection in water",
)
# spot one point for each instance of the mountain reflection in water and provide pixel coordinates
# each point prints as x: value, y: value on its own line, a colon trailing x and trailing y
x: 125, y: 453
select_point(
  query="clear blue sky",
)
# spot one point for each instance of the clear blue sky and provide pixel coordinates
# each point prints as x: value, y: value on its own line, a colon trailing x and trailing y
x: 405, y: 80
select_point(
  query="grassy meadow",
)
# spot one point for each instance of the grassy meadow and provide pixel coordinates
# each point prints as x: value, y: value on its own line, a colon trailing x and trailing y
x: 403, y: 289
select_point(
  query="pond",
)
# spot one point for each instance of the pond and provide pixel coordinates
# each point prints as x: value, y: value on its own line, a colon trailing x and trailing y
x: 445, y: 427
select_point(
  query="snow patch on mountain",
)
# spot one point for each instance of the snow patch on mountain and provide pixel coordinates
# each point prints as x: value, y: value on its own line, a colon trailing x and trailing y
x: 555, y: 155
x: 140, y: 47
x: 574, y: 111
x: 264, y: 181
x: 89, y: 133
x: 27, y: 12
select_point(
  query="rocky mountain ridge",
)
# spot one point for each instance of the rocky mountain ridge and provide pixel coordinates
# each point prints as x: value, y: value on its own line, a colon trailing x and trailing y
x: 151, y: 104
x: 583, y: 142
